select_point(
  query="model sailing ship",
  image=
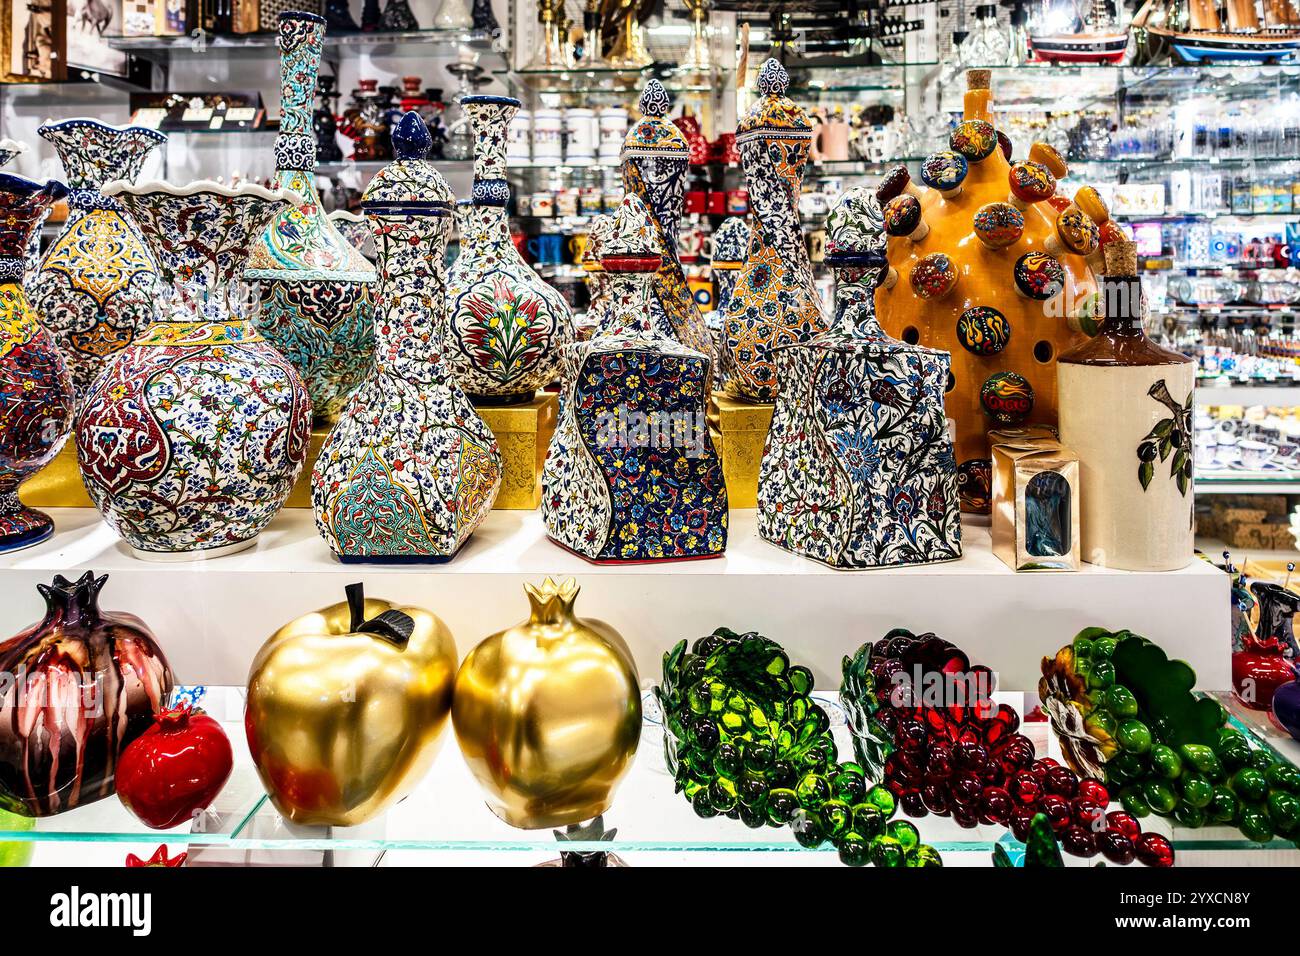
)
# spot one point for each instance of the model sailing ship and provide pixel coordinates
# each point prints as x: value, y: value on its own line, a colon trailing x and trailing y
x: 1091, y: 34
x: 1203, y: 31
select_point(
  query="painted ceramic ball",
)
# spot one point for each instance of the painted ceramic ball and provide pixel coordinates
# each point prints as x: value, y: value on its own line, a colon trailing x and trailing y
x: 1093, y: 206
x: 975, y: 139
x: 998, y: 224
x: 1045, y: 154
x: 892, y: 184
x: 902, y: 215
x: 933, y: 276
x: 983, y: 330
x: 1007, y: 397
x: 944, y: 170
x: 1039, y: 276
x: 1078, y: 232
x: 975, y: 483
x: 1004, y: 143
x: 1031, y: 182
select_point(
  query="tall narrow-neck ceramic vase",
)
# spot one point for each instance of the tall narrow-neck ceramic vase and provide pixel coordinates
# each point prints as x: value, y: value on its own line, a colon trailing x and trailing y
x: 192, y: 438
x: 10, y: 150
x: 506, y: 326
x: 858, y: 470
x: 410, y: 470
x: 655, y: 157
x: 96, y: 285
x: 632, y: 475
x: 315, y: 286
x: 36, y: 392
x: 774, y: 302
x: 598, y: 293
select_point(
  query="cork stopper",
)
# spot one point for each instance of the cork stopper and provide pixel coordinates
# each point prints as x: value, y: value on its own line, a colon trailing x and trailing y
x: 1121, y: 257
x: 978, y: 79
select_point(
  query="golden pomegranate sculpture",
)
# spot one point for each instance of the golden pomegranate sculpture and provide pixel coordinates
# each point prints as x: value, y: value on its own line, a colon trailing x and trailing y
x: 548, y: 713
x: 346, y: 707
x: 995, y: 267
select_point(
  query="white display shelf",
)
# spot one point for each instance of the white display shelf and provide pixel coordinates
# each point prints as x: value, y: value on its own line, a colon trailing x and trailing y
x: 212, y: 616
x: 1248, y: 395
x: 446, y: 817
x: 1248, y: 483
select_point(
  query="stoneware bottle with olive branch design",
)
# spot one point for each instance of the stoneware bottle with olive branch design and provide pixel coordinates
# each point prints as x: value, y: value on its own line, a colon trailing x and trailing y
x: 315, y: 286
x: 631, y: 474
x: 505, y: 325
x: 1126, y: 411
x: 95, y: 288
x: 858, y: 470
x: 774, y: 301
x: 191, y: 439
x: 410, y: 469
x: 655, y: 158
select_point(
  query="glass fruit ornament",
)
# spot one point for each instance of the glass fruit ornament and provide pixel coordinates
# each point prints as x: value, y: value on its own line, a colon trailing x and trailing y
x: 346, y: 707
x: 743, y: 739
x: 91, y: 682
x: 548, y: 713
x: 925, y: 722
x: 978, y: 280
x: 1125, y: 713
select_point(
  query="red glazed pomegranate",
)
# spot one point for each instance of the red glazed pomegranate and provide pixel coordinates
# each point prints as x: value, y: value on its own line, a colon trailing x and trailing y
x: 75, y: 690
x: 175, y: 768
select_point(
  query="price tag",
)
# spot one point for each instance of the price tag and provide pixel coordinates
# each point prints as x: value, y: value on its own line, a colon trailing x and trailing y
x: 241, y: 114
x: 196, y: 114
x: 149, y: 117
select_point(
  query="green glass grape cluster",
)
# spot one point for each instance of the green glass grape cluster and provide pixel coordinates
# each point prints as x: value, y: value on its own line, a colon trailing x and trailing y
x: 744, y: 739
x: 1125, y: 712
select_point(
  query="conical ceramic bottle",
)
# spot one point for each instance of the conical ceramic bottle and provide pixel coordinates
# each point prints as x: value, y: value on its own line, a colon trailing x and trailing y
x: 96, y: 285
x: 506, y: 326
x: 1126, y: 411
x: 631, y: 474
x: 410, y: 470
x: 192, y: 438
x: 858, y: 470
x: 36, y: 392
x: 774, y: 301
x: 598, y: 291
x: 655, y: 157
x: 315, y: 286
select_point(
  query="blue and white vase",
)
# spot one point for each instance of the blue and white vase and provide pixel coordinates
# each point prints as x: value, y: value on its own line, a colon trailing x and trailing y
x: 858, y: 470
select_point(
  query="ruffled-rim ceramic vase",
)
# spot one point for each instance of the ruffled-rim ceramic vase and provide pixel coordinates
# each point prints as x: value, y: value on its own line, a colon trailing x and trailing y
x: 506, y: 326
x: 9, y: 151
x: 315, y: 287
x: 774, y: 301
x: 655, y: 158
x: 410, y: 469
x: 96, y: 285
x: 192, y: 438
x: 858, y: 470
x: 631, y: 475
x: 36, y: 392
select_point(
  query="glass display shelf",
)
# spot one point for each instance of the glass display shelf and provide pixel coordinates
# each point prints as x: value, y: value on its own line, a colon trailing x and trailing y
x: 608, y: 80
x: 446, y: 811
x: 378, y: 42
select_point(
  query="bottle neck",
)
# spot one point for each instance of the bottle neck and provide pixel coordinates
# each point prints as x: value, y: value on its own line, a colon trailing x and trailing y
x: 1121, y: 298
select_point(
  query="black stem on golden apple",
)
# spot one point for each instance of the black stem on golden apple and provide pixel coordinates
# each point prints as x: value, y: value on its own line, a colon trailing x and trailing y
x: 393, y: 626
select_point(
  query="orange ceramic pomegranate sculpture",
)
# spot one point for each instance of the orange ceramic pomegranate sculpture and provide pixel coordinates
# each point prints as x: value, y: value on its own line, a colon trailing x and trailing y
x: 993, y: 265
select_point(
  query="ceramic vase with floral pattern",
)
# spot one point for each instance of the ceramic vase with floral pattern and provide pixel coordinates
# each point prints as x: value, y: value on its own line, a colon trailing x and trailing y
x: 410, y: 470
x: 36, y: 391
x: 315, y: 286
x: 96, y: 285
x: 192, y: 438
x: 730, y: 245
x: 631, y: 475
x: 858, y: 470
x: 9, y: 150
x: 505, y: 324
x: 655, y: 158
x: 598, y: 301
x: 774, y: 301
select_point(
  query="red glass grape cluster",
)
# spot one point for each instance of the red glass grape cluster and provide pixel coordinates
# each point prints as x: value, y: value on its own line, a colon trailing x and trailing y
x: 953, y: 752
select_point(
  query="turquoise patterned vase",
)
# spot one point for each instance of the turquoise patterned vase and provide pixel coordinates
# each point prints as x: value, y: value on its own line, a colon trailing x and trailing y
x: 315, y: 286
x: 410, y: 470
x: 632, y: 475
x: 193, y: 436
x: 506, y: 326
x: 97, y: 283
x: 858, y: 470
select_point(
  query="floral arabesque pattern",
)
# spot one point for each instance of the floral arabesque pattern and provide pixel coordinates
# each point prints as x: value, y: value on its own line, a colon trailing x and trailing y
x: 410, y: 470
x: 774, y: 301
x: 505, y: 324
x: 858, y: 470
x: 598, y: 308
x: 315, y: 286
x: 96, y: 284
x: 36, y: 391
x: 192, y: 438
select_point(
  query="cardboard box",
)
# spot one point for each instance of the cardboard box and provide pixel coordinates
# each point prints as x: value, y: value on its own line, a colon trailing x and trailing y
x: 1035, y: 502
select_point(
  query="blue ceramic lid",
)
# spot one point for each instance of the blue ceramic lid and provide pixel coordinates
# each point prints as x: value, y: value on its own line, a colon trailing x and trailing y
x: 653, y: 135
x: 410, y: 184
